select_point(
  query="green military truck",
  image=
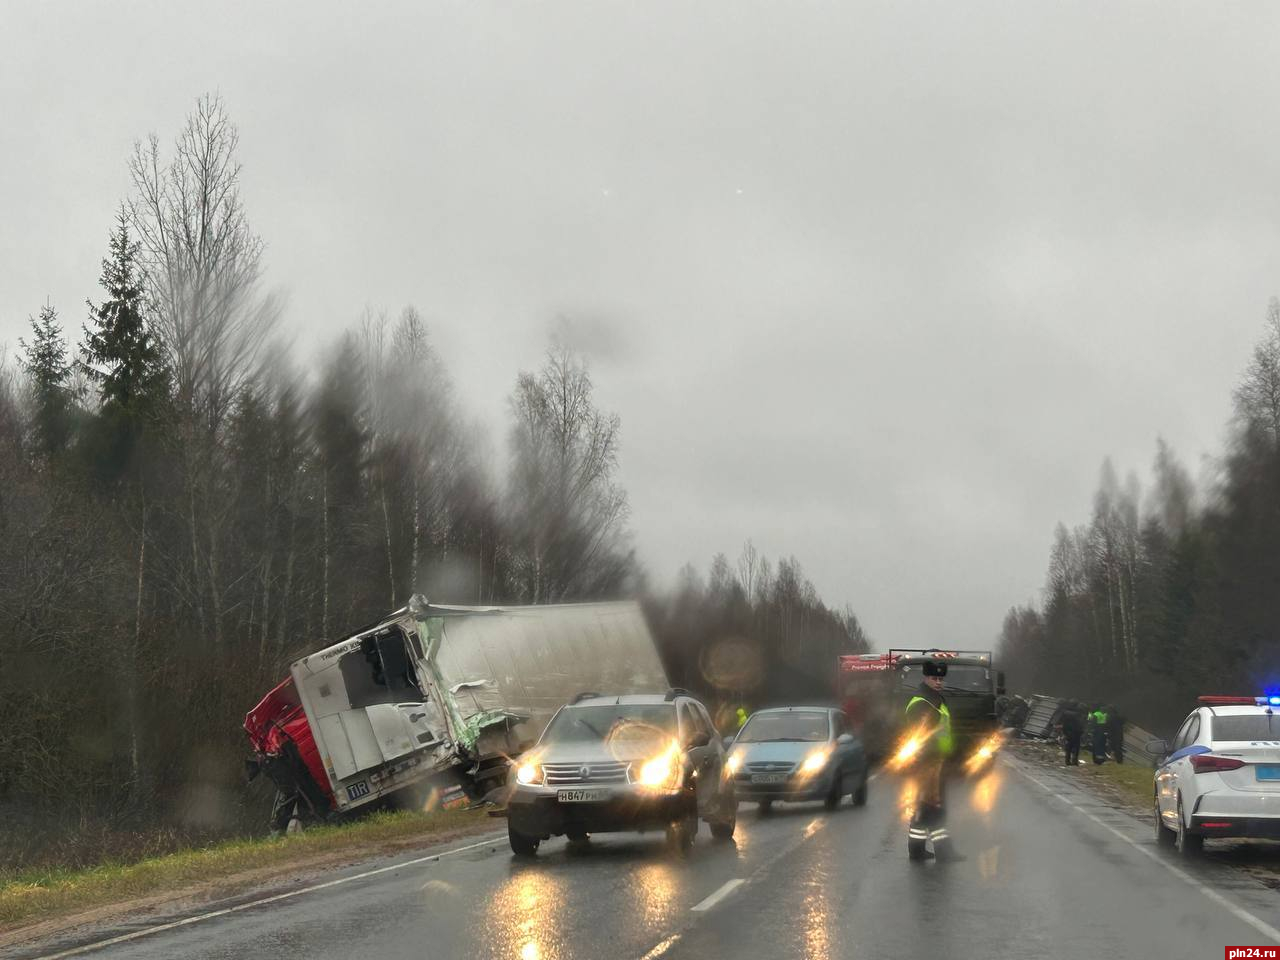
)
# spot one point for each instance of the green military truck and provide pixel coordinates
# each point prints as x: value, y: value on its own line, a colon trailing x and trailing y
x: 971, y: 688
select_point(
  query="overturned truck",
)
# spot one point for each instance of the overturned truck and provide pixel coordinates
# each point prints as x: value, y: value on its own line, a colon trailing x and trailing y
x: 437, y: 699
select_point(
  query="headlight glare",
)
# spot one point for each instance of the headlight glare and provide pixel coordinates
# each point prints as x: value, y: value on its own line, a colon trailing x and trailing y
x: 662, y: 771
x: 529, y: 773
x: 815, y: 761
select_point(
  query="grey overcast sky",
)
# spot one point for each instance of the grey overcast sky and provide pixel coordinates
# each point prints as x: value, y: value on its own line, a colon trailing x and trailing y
x: 878, y: 284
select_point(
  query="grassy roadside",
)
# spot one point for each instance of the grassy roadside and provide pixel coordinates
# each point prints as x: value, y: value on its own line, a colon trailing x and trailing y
x: 31, y: 896
x: 1133, y: 781
x: 1129, y: 784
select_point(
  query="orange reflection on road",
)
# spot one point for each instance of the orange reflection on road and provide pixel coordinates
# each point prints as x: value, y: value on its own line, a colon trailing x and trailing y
x: 653, y: 891
x: 986, y: 792
x: 989, y: 863
x: 524, y: 916
x: 816, y: 923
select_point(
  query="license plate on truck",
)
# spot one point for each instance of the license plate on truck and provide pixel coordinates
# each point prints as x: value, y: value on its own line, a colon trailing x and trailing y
x: 1268, y: 771
x: 768, y: 778
x: 581, y: 796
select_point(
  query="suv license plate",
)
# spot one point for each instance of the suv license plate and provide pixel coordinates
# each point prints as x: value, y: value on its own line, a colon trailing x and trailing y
x: 581, y: 796
x: 1268, y: 772
x: 768, y: 778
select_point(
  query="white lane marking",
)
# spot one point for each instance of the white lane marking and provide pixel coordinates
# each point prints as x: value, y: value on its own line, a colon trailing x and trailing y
x: 716, y: 897
x: 662, y: 947
x: 1239, y: 912
x: 138, y: 934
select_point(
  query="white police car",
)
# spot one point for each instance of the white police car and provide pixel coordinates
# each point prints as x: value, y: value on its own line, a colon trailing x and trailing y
x: 1220, y: 777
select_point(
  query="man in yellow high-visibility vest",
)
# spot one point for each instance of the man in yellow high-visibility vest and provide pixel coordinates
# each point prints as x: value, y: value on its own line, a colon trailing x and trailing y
x: 928, y: 716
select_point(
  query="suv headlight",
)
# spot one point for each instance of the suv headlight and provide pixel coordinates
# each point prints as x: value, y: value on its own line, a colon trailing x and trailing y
x: 529, y: 773
x: 733, y: 762
x: 663, y: 771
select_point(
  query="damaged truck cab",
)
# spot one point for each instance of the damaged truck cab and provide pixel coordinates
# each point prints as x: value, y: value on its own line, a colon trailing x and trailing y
x: 435, y: 697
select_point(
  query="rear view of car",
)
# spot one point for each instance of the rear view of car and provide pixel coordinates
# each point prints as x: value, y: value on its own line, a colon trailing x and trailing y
x: 798, y: 754
x: 636, y: 762
x: 1221, y: 775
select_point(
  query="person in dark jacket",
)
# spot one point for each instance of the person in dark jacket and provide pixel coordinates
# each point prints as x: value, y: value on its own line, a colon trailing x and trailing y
x: 929, y: 717
x: 1072, y: 731
x: 1115, y: 732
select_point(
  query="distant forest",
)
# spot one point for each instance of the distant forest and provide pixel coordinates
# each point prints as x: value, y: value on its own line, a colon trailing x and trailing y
x: 185, y: 510
x: 1174, y: 591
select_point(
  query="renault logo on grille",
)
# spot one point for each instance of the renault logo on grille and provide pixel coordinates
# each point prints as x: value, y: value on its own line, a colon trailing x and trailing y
x: 584, y: 772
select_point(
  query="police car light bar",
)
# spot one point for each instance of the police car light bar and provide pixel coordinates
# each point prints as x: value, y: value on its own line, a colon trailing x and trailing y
x: 1217, y: 701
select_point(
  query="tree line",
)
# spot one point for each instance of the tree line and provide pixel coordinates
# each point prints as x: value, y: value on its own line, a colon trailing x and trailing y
x: 185, y: 509
x: 1172, y: 591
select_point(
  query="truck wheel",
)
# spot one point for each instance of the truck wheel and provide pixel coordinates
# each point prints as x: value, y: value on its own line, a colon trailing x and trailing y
x: 860, y: 795
x: 521, y: 845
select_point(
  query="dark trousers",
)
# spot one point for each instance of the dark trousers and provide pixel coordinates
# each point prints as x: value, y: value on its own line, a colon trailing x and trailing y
x: 1099, y: 746
x: 1072, y: 748
x: 1117, y: 745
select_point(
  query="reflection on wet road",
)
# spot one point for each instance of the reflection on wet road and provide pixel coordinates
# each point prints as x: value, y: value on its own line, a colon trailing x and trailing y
x: 1041, y: 878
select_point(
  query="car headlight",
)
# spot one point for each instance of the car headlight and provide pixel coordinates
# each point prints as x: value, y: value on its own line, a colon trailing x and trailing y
x: 815, y: 761
x: 662, y: 771
x: 732, y: 763
x: 529, y: 773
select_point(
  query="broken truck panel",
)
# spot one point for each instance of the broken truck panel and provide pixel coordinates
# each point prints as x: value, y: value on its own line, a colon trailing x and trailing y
x: 447, y: 694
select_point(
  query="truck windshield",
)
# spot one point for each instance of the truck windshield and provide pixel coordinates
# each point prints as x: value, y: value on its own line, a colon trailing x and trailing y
x: 1258, y: 726
x: 960, y: 678
x: 613, y: 722
x: 806, y: 726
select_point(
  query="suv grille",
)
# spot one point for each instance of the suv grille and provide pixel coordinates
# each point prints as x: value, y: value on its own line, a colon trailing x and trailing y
x: 603, y: 771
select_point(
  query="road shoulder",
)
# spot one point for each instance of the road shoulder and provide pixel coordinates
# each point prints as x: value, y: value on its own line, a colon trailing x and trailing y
x: 86, y: 922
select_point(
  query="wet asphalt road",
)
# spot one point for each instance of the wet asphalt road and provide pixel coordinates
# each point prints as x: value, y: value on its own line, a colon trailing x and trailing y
x: 1050, y: 873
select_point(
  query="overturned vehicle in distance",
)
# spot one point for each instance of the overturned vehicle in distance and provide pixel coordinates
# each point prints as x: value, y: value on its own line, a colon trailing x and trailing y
x: 437, y: 700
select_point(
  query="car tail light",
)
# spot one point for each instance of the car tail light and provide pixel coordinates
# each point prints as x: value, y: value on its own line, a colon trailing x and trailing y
x: 1207, y: 763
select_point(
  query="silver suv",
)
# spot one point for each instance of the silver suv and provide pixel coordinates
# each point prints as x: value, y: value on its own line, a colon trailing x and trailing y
x: 634, y: 762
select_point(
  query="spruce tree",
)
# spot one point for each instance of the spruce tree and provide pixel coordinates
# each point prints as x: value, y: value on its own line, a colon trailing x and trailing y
x: 45, y: 362
x: 121, y: 351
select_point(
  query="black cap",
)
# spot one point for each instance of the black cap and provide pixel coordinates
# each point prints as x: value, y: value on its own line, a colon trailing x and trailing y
x: 932, y: 668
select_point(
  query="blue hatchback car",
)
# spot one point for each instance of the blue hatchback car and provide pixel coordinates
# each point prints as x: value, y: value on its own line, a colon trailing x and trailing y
x: 798, y: 753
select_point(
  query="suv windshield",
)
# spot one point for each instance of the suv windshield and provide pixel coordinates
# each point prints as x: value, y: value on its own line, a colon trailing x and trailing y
x: 1258, y: 726
x: 806, y: 726
x: 612, y: 722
